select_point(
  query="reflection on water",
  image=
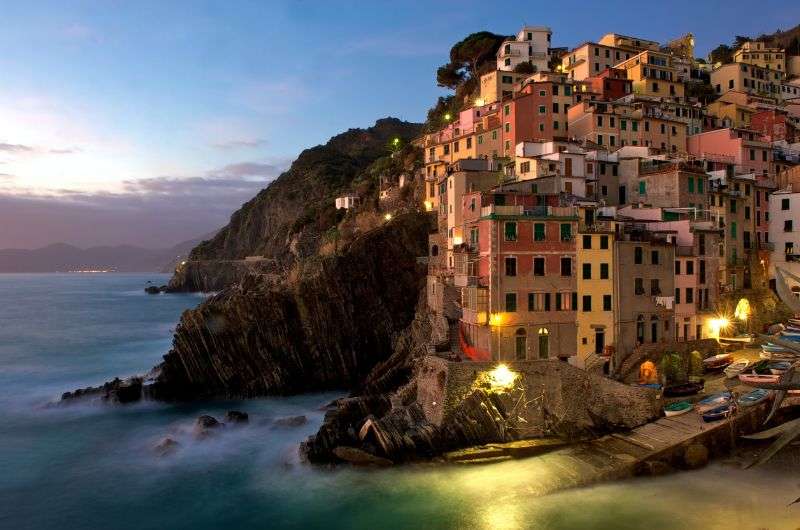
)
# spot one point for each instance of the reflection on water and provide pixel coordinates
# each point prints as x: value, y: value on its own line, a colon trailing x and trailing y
x: 92, y: 466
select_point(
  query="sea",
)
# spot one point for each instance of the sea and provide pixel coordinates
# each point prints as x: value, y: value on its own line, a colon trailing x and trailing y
x: 92, y: 465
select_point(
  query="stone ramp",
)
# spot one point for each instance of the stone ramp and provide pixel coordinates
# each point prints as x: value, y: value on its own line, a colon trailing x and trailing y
x: 631, y: 453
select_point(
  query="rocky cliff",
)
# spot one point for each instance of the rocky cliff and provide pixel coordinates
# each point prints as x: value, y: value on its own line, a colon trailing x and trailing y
x: 285, y: 221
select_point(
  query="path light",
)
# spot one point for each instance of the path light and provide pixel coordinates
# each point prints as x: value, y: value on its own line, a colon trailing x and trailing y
x: 495, y: 319
x: 396, y: 142
x: 502, y: 378
x: 388, y: 217
x: 447, y: 116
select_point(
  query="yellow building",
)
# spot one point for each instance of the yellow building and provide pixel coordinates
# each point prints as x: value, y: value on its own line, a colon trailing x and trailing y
x: 625, y: 42
x: 497, y: 85
x: 730, y: 113
x: 653, y: 75
x: 758, y: 54
x: 591, y: 58
x: 595, y: 284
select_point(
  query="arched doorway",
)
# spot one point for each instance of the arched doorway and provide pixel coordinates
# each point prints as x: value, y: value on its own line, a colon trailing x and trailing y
x: 521, y: 344
x: 544, y: 343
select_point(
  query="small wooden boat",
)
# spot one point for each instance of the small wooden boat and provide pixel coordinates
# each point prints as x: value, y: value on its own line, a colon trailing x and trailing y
x: 753, y: 398
x: 654, y: 386
x: 678, y: 408
x: 713, y: 401
x: 779, y: 367
x: 718, y: 413
x: 736, y: 367
x: 773, y: 348
x: 717, y: 362
x: 754, y: 379
x: 684, y: 389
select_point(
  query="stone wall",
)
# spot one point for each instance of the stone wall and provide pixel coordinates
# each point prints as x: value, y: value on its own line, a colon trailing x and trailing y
x: 628, y: 370
x: 548, y: 398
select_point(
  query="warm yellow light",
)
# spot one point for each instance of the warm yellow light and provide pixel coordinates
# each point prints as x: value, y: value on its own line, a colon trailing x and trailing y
x: 388, y: 217
x: 742, y: 311
x: 716, y: 325
x: 480, y: 102
x: 428, y: 206
x: 502, y: 377
x: 447, y: 116
x: 457, y: 240
x: 396, y: 141
x: 495, y: 319
x: 183, y: 263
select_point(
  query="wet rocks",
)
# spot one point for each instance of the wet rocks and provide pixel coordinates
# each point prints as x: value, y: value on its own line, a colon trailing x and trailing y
x: 236, y: 417
x: 206, y: 426
x: 166, y: 446
x: 290, y: 421
x: 359, y: 457
x: 152, y: 289
x: 115, y: 391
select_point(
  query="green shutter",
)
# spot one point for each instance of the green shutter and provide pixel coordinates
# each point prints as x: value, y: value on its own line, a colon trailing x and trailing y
x: 699, y: 184
x: 511, y: 231
x: 691, y: 184
x: 642, y: 187
x: 538, y: 232
x: 566, y: 232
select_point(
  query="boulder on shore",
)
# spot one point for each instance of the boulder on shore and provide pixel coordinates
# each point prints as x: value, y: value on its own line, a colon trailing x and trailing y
x: 359, y: 457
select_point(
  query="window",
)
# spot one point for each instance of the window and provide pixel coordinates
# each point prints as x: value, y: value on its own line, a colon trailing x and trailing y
x: 733, y: 229
x: 690, y: 267
x: 689, y: 295
x: 587, y: 271
x: 677, y: 295
x: 606, y: 302
x: 538, y: 266
x: 623, y: 125
x: 604, y: 271
x: 747, y: 212
x: 604, y: 242
x: 599, y: 121
x: 542, y: 109
x: 638, y: 255
x: 642, y: 187
x: 494, y: 134
x: 566, y: 232
x: 677, y: 268
x: 538, y: 232
x: 508, y: 127
x: 654, y: 257
x: 511, y: 266
x: 587, y: 303
x: 566, y: 266
x: 555, y: 108
x: 507, y: 110
x: 691, y: 184
x: 511, y: 302
x: 733, y: 206
x: 535, y: 302
x: 511, y: 231
x: 655, y: 288
x: 525, y: 167
x: 638, y: 286
x: 587, y: 242
x: 787, y: 225
x: 784, y: 204
x: 699, y: 184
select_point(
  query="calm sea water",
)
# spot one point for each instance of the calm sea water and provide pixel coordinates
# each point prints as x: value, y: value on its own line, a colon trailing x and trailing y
x: 92, y: 466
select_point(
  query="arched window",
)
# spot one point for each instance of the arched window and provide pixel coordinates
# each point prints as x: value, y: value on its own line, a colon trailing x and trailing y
x: 544, y: 343
x: 435, y: 250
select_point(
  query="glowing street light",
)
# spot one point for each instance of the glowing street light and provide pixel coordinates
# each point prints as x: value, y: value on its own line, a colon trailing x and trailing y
x: 447, y: 116
x: 388, y: 217
x: 502, y: 378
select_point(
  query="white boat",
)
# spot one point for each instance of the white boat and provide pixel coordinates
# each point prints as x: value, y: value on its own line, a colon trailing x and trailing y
x: 736, y: 367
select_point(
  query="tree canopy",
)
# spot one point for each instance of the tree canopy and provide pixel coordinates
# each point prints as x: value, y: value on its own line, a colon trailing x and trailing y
x: 467, y: 57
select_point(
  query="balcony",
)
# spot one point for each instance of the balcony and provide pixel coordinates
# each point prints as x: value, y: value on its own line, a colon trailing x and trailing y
x: 495, y: 209
x: 598, y: 227
x: 667, y: 302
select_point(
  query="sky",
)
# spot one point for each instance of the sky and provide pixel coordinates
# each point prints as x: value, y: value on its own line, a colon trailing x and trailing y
x: 149, y: 123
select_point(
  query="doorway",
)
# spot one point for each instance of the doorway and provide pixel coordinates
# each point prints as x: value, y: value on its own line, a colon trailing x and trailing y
x: 599, y: 341
x: 544, y: 343
x: 521, y: 345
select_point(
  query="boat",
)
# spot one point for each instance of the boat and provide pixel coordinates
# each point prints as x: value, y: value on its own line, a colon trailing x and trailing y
x: 779, y: 367
x: 753, y: 398
x: 717, y: 362
x: 754, y: 379
x: 736, y: 367
x: 773, y: 348
x: 713, y: 401
x: 684, y: 389
x: 718, y: 413
x: 654, y: 386
x: 678, y: 408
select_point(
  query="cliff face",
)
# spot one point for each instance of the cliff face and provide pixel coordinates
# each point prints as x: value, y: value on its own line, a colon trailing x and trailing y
x: 325, y: 330
x: 284, y: 222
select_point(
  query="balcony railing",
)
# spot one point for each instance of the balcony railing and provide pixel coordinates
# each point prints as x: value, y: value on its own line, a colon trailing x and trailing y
x: 598, y: 227
x: 667, y: 302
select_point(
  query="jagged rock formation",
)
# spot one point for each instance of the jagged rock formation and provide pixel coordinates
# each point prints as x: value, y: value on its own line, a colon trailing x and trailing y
x: 325, y: 330
x: 284, y: 222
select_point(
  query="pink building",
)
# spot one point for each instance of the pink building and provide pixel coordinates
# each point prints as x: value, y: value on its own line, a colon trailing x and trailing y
x: 743, y: 148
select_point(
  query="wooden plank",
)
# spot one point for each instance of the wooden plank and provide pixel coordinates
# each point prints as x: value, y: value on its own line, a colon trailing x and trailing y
x: 678, y: 426
x: 616, y: 446
x: 645, y: 439
x: 668, y: 434
x: 638, y: 443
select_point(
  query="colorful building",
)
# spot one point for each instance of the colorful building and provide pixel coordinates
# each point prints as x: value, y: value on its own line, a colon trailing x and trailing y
x: 653, y: 75
x: 530, y: 45
x: 757, y: 53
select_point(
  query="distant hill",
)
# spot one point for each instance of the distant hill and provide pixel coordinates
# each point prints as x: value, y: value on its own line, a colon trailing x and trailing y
x: 60, y: 257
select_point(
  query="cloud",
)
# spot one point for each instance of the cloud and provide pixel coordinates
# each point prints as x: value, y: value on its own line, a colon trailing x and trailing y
x: 66, y: 151
x: 150, y: 212
x: 240, y: 144
x: 16, y: 148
